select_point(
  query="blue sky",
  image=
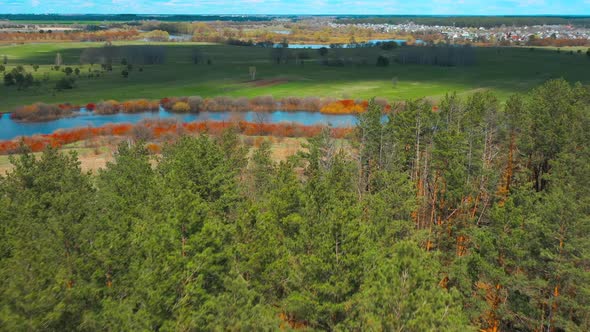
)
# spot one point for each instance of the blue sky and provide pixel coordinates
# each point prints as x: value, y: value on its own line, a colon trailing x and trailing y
x: 425, y: 7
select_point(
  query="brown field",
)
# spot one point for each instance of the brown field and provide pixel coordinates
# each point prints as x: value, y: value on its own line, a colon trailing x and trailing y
x: 94, y: 155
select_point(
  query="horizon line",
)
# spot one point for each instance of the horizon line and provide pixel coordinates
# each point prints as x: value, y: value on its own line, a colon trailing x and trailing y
x: 303, y: 14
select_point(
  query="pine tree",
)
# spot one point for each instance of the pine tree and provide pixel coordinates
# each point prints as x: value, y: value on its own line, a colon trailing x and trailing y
x: 126, y: 190
x: 330, y: 246
x: 43, y: 269
x: 402, y: 292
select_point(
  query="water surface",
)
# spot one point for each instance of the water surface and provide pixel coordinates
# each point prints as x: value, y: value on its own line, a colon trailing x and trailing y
x: 10, y: 129
x: 370, y: 42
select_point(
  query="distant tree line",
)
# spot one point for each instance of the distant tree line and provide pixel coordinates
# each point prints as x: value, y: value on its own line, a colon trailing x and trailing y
x: 556, y: 42
x: 446, y: 56
x: 132, y: 17
x: 135, y: 54
x: 98, y: 36
x: 469, y: 21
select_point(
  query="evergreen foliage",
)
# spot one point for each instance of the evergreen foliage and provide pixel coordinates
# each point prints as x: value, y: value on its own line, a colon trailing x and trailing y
x: 470, y: 216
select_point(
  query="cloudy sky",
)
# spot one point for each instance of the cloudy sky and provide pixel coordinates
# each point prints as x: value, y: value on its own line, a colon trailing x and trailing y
x: 434, y: 7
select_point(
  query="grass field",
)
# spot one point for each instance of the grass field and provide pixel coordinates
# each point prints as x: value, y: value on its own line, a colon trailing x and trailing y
x: 503, y: 70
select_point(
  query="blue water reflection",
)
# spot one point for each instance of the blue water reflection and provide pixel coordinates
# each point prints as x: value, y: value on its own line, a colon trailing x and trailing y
x: 10, y: 129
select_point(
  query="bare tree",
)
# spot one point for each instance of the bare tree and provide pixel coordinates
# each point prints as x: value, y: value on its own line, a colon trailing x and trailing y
x: 141, y: 133
x: 58, y: 59
x: 445, y: 55
x: 137, y: 54
x: 197, y: 56
x: 394, y: 81
x: 252, y: 73
x: 280, y: 55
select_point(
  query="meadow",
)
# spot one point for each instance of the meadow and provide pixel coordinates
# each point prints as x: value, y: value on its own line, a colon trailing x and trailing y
x: 501, y: 70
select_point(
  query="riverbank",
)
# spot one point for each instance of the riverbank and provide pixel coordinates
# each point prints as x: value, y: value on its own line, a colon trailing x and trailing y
x: 160, y: 131
x: 41, y: 112
x: 84, y: 119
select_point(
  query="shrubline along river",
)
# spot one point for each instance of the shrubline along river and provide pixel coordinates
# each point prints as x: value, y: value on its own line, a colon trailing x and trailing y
x: 10, y: 129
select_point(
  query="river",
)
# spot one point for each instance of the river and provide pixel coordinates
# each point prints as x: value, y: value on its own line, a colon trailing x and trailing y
x: 10, y: 129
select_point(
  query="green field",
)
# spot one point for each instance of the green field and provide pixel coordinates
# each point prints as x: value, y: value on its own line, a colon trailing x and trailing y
x: 503, y: 70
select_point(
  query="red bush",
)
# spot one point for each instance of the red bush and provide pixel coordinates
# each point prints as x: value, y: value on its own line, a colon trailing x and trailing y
x: 165, y: 129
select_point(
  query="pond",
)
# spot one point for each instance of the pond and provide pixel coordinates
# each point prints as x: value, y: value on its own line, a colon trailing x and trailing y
x: 181, y: 37
x: 10, y: 129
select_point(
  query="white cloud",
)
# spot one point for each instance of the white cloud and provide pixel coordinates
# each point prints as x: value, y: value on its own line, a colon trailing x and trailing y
x: 35, y: 3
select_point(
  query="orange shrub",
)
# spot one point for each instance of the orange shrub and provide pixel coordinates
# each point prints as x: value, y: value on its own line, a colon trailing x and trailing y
x: 108, y: 107
x: 181, y: 107
x: 166, y: 130
x: 346, y: 106
x: 263, y: 104
x: 154, y: 148
x: 140, y: 105
x: 349, y: 106
x: 41, y: 112
x: 165, y: 102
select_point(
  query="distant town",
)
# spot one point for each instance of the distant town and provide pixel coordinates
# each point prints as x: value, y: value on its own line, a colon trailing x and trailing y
x: 500, y: 31
x: 521, y: 34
